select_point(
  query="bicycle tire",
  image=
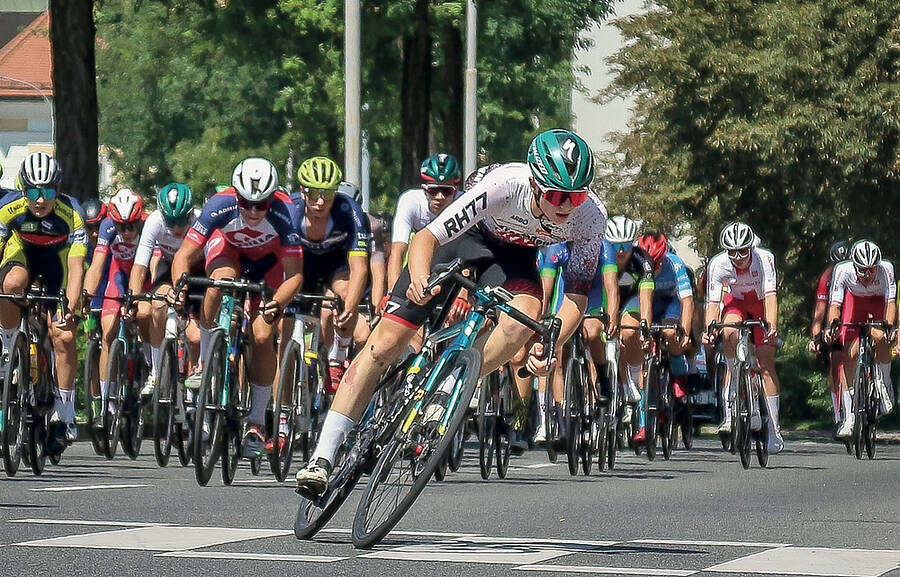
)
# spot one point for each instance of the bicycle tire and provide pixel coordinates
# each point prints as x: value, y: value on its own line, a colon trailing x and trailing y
x: 741, y: 422
x: 668, y: 433
x: 651, y: 419
x: 572, y: 413
x: 91, y: 378
x: 504, y: 425
x: 133, y: 414
x: 860, y: 399
x: 14, y: 411
x: 231, y: 417
x: 762, y: 436
x: 870, y: 439
x: 588, y: 421
x: 551, y: 425
x: 603, y: 437
x: 289, y: 378
x: 487, y: 423
x: 163, y: 402
x: 364, y: 534
x: 686, y: 421
x: 117, y: 379
x: 36, y: 441
x: 457, y: 449
x: 207, y: 453
x: 231, y: 449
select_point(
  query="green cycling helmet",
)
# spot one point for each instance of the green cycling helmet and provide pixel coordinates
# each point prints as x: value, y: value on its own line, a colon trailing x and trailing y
x: 561, y: 159
x: 174, y: 201
x: 440, y: 169
x: 319, y: 172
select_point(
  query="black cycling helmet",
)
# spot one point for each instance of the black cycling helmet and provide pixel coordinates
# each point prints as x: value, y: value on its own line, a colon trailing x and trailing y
x: 94, y: 211
x: 839, y: 251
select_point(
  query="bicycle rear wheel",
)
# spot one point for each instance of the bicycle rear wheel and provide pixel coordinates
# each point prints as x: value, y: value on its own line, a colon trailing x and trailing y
x: 286, y: 401
x: 762, y: 436
x: 92, y: 395
x: 164, y: 406
x: 551, y: 425
x: 871, y: 418
x: 487, y: 424
x: 133, y: 416
x: 113, y: 409
x: 741, y: 423
x: 573, y: 413
x: 408, y: 461
x: 860, y: 400
x: 36, y: 440
x: 686, y: 422
x: 668, y: 433
x: 207, y: 451
x: 13, y: 418
x: 651, y: 385
x: 589, y: 421
x: 232, y: 416
x: 505, y: 420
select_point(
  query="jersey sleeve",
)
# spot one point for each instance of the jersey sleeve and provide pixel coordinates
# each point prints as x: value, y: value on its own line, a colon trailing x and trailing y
x: 715, y: 280
x: 839, y: 284
x: 78, y: 239
x: 822, y: 288
x: 147, y: 243
x: 683, y: 285
x: 584, y: 249
x: 644, y: 268
x: 608, y: 258
x: 488, y: 197
x: 892, y: 286
x: 770, y: 278
x: 403, y: 218
x: 360, y: 234
x: 285, y: 218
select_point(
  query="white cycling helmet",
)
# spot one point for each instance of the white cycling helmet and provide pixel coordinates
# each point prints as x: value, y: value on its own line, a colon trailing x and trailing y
x: 255, y: 179
x: 621, y: 229
x: 865, y: 254
x: 737, y: 236
x: 39, y: 169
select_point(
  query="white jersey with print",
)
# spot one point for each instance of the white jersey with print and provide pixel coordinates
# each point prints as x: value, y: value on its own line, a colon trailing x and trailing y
x: 412, y: 215
x: 500, y: 204
x: 845, y: 280
x: 157, y: 235
x: 755, y: 282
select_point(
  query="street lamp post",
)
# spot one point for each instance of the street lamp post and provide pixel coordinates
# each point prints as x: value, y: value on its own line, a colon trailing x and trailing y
x: 46, y: 100
x: 471, y: 90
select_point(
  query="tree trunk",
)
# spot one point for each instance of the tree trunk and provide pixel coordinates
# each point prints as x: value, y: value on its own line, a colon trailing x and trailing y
x: 72, y: 37
x: 415, y: 95
x: 453, y: 85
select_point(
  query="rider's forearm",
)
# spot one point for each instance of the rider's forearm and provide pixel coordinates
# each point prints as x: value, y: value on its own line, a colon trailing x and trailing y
x: 611, y: 286
x: 181, y: 262
x: 687, y: 314
x: 136, y: 280
x: 395, y: 263
x: 890, y: 314
x: 712, y: 314
x: 356, y: 286
x: 92, y: 276
x: 834, y: 312
x: 378, y: 270
x: 818, y: 318
x: 771, y: 311
x: 293, y: 280
x: 76, y: 280
x: 645, y: 298
x: 421, y: 251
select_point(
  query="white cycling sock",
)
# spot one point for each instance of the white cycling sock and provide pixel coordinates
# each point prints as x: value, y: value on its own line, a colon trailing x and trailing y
x: 772, y: 403
x: 59, y: 408
x: 633, y: 373
x: 7, y: 335
x: 104, y: 386
x: 334, y: 430
x: 846, y: 403
x: 834, y: 407
x: 339, y: 347
x: 204, y: 341
x: 283, y: 423
x: 68, y: 401
x: 154, y: 360
x: 259, y: 402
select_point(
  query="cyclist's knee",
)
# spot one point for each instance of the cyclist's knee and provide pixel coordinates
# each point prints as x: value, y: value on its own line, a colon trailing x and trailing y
x: 15, y: 280
x: 63, y: 339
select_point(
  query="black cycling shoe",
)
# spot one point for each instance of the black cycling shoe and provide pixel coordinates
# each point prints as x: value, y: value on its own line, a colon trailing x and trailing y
x: 56, y: 438
x: 517, y: 443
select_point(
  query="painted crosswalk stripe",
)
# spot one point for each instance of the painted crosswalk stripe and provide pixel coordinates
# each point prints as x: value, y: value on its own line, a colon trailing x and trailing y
x: 84, y: 488
x: 437, y: 534
x: 815, y: 561
x: 227, y: 555
x: 606, y: 570
x: 89, y: 523
x: 709, y: 543
x: 158, y: 538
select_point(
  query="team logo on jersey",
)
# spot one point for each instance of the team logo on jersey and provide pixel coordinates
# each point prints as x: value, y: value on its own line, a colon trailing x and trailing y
x: 29, y: 226
x: 248, y: 238
x: 465, y: 215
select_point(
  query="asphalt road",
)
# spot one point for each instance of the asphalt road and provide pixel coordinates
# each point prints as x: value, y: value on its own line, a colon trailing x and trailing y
x: 815, y: 511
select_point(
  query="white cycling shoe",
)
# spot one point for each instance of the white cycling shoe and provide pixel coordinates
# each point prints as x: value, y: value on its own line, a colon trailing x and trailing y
x: 845, y: 431
x: 776, y: 442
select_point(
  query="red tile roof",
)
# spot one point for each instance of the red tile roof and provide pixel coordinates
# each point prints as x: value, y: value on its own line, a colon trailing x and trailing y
x: 27, y: 57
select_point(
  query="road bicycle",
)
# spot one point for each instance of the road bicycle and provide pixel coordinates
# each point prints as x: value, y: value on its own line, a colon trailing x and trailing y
x: 93, y: 400
x: 29, y: 382
x: 494, y: 418
x: 425, y: 428
x: 584, y: 415
x: 747, y: 402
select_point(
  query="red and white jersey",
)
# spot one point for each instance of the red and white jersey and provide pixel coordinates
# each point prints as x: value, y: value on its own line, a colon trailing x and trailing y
x: 823, y: 290
x: 845, y: 281
x: 110, y: 242
x: 755, y: 282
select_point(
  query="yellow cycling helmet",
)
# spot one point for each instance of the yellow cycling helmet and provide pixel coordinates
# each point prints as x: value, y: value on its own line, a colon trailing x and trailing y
x: 319, y: 172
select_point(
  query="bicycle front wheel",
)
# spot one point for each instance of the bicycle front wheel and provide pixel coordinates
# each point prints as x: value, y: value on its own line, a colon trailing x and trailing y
x: 92, y: 397
x: 487, y: 424
x: 410, y: 458
x: 287, y: 392
x: 209, y: 419
x: 742, y: 415
x: 12, y: 423
x: 164, y: 406
x: 113, y: 409
x: 573, y: 413
x: 762, y: 437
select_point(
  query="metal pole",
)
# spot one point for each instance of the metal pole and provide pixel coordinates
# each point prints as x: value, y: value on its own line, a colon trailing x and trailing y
x: 365, y: 174
x: 470, y: 161
x: 352, y: 91
x: 46, y: 100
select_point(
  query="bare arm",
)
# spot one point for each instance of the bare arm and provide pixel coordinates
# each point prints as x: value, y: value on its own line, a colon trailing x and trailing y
x: 395, y: 263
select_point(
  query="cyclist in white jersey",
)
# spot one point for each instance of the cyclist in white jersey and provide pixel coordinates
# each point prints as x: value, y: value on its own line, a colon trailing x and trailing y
x: 748, y: 272
x: 862, y: 289
x: 496, y: 227
x: 162, y: 236
x: 419, y: 206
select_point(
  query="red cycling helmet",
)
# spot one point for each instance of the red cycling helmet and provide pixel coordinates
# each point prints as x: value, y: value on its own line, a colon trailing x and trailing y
x: 126, y: 206
x: 656, y: 246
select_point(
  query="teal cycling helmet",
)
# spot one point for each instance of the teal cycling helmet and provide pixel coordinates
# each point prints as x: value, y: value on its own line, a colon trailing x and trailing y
x: 174, y: 201
x: 561, y: 159
x: 440, y: 169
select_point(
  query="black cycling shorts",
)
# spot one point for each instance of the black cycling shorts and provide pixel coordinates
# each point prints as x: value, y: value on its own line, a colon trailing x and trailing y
x: 495, y: 262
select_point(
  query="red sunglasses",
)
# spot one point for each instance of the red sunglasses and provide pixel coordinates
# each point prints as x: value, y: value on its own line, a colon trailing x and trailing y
x: 260, y: 206
x: 433, y: 190
x: 559, y: 197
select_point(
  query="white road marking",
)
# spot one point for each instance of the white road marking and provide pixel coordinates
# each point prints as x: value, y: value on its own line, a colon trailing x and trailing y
x: 815, y: 561
x: 158, y: 538
x: 534, y: 466
x: 85, y: 488
x: 605, y: 570
x: 573, y: 544
x: 251, y: 556
x: 709, y: 543
x: 258, y: 482
x: 438, y: 534
x: 461, y: 552
x: 91, y: 523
